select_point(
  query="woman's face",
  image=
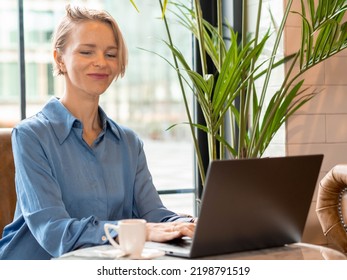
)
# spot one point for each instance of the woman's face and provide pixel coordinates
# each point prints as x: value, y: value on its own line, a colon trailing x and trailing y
x: 90, y: 59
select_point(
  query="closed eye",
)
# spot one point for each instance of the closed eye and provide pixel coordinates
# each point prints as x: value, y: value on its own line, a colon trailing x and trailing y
x: 111, y: 55
x: 85, y: 52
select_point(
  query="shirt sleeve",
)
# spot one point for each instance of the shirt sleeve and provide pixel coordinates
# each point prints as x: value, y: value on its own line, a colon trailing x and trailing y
x: 41, y: 203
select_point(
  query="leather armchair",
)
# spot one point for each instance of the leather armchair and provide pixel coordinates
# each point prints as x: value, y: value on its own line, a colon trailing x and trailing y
x: 331, y: 206
x: 7, y: 184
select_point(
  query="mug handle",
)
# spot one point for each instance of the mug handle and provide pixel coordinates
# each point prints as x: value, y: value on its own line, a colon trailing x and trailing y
x: 109, y: 237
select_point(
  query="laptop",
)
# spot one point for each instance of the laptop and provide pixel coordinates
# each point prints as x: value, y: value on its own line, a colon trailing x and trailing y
x: 250, y: 204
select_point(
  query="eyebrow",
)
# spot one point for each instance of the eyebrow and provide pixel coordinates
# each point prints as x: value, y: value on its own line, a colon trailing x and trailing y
x: 94, y: 46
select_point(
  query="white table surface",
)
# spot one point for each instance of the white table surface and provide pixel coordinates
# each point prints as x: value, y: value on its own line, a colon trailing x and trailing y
x: 297, y: 251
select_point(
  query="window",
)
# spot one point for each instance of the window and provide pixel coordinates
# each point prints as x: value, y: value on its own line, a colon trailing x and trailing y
x: 147, y: 99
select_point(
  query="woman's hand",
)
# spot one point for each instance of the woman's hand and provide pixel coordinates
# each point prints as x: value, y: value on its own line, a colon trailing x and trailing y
x: 161, y: 232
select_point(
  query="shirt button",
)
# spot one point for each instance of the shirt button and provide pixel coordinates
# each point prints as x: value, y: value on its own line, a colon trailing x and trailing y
x: 103, y: 238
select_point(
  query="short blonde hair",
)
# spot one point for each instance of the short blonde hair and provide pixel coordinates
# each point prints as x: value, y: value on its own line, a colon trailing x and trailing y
x: 75, y: 15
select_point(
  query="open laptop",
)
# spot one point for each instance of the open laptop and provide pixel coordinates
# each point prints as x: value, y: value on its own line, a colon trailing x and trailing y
x: 251, y: 204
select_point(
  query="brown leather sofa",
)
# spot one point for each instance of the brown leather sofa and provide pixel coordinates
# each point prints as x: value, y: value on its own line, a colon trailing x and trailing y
x: 331, y: 206
x: 7, y: 185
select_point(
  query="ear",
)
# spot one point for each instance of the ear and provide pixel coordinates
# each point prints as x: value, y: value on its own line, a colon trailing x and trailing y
x: 59, y: 60
x: 57, y: 56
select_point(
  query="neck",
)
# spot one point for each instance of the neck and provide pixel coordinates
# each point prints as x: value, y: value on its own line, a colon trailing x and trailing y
x: 86, y: 110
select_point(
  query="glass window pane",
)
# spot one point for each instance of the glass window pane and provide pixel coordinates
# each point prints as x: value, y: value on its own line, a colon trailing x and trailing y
x: 181, y: 203
x: 9, y: 67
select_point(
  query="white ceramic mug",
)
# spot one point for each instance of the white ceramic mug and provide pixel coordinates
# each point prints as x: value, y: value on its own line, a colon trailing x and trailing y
x: 131, y: 236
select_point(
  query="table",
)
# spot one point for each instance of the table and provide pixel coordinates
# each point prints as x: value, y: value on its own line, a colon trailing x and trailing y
x: 296, y: 251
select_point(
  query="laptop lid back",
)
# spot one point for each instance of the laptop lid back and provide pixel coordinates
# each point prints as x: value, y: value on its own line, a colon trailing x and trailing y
x: 253, y: 204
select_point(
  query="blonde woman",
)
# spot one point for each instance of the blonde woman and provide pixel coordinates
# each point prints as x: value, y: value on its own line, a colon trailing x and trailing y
x: 76, y: 169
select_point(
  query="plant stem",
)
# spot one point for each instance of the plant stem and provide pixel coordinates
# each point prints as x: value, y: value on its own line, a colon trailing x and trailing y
x: 192, y: 128
x: 220, y: 61
x: 241, y: 123
x: 251, y: 80
x: 267, y: 77
x: 198, y: 16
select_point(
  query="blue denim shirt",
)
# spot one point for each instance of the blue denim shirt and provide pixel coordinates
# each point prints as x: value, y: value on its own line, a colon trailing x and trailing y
x: 67, y: 190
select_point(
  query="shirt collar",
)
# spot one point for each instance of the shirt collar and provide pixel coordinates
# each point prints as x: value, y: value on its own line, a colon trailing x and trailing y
x: 62, y: 120
x: 108, y: 123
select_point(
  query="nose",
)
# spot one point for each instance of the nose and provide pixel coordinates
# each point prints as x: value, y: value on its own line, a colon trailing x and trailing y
x: 99, y: 60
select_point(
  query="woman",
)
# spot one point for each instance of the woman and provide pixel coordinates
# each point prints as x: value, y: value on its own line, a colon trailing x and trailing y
x: 76, y: 169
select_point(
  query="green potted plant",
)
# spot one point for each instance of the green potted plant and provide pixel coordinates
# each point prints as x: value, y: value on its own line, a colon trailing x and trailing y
x: 230, y: 96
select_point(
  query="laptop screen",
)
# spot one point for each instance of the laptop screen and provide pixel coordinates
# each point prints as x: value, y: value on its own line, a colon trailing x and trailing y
x: 256, y: 203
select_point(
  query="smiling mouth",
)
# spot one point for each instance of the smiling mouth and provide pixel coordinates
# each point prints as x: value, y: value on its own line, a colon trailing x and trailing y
x: 98, y: 76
